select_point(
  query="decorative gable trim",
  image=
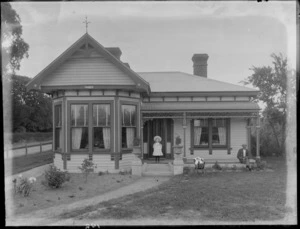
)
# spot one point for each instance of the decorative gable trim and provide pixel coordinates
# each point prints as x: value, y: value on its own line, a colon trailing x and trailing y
x: 140, y: 83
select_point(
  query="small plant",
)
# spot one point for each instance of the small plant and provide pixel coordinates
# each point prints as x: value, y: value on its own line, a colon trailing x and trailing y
x: 54, y: 178
x: 136, y: 142
x: 87, y: 167
x: 217, y: 166
x: 100, y: 173
x: 186, y: 170
x: 23, y: 185
x: 261, y: 165
x: 234, y: 167
x: 178, y: 140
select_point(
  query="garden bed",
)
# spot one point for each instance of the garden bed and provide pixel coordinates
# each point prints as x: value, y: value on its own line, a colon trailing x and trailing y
x: 76, y: 189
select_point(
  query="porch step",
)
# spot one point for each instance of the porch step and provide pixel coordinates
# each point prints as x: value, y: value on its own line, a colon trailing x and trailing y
x: 157, y: 170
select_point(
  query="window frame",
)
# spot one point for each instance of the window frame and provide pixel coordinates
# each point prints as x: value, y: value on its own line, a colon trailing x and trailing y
x: 58, y: 105
x: 110, y: 127
x: 90, y: 126
x: 70, y: 127
x: 210, y: 135
x: 137, y: 119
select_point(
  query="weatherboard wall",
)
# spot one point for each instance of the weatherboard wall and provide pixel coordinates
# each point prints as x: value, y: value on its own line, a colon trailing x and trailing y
x: 87, y: 71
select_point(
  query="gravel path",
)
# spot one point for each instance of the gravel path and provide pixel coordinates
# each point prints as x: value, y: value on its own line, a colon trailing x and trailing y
x: 49, y: 216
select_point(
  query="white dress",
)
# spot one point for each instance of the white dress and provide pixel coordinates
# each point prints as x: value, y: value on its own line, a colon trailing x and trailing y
x: 157, y: 149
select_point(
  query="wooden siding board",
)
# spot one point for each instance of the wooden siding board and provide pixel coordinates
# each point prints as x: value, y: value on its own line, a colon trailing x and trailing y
x: 92, y: 70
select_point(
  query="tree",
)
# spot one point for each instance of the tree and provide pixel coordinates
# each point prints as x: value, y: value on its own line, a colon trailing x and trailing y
x: 272, y: 83
x: 32, y: 110
x: 14, y: 48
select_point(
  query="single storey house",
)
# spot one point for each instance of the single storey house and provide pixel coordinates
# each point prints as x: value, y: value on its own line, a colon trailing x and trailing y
x: 100, y: 105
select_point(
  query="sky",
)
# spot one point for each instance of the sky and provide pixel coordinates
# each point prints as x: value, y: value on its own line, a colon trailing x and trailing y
x: 163, y: 36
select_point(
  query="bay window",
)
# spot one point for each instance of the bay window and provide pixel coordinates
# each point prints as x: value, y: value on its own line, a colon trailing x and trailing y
x: 210, y: 133
x: 129, y: 124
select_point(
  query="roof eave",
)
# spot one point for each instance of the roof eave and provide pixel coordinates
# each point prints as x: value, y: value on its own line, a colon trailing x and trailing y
x: 208, y: 93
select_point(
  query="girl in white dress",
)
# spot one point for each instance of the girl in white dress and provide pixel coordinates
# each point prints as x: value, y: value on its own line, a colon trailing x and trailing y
x: 157, y: 148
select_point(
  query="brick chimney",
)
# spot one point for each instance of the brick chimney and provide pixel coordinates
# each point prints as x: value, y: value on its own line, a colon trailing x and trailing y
x: 200, y: 64
x: 115, y: 51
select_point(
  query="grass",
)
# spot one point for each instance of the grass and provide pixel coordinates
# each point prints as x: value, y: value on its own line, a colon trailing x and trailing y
x: 234, y: 196
x: 24, y: 163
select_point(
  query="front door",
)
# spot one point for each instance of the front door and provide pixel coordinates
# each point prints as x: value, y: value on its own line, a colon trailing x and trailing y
x: 162, y: 128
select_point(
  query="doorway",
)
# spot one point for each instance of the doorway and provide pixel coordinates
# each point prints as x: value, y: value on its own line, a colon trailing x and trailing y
x: 162, y: 128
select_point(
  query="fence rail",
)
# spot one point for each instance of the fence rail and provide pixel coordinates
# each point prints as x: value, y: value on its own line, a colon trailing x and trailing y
x: 27, y: 149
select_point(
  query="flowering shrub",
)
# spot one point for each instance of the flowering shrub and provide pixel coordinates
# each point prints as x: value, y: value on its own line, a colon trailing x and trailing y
x: 23, y: 185
x: 54, y: 178
x: 87, y: 167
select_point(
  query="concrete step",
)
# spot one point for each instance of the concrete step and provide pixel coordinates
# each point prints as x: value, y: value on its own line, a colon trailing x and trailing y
x: 157, y: 170
x: 157, y: 173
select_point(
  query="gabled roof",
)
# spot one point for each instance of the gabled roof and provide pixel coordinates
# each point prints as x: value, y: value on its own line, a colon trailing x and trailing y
x: 140, y: 83
x: 181, y: 82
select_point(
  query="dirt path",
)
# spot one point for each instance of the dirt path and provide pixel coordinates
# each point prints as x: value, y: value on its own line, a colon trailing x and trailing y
x: 49, y: 216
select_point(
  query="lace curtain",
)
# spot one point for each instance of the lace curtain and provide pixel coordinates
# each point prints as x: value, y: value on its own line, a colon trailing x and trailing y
x: 222, y: 135
x: 76, y: 137
x: 129, y: 137
x: 106, y: 137
x: 197, y: 135
x: 60, y: 138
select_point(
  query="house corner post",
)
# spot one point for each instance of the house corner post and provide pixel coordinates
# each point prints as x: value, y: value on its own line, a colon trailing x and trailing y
x: 184, y: 135
x: 258, y: 137
x: 142, y: 138
x: 249, y: 135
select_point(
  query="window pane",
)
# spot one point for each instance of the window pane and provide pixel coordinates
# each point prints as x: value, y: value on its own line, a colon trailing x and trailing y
x: 80, y: 138
x: 201, y: 132
x: 58, y: 116
x: 101, y: 138
x: 128, y: 134
x: 219, y: 131
x: 219, y: 122
x: 58, y: 138
x: 128, y: 115
x: 201, y: 123
x: 101, y: 115
x: 79, y: 115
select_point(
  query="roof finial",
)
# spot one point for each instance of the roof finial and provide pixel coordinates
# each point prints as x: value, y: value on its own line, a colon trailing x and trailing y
x: 86, y: 24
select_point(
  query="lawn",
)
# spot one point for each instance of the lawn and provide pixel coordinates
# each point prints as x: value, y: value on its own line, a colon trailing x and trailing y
x: 74, y: 190
x: 24, y: 163
x: 223, y: 196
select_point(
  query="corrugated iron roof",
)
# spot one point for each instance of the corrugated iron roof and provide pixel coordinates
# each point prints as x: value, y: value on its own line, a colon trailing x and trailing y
x: 200, y: 106
x: 184, y: 82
